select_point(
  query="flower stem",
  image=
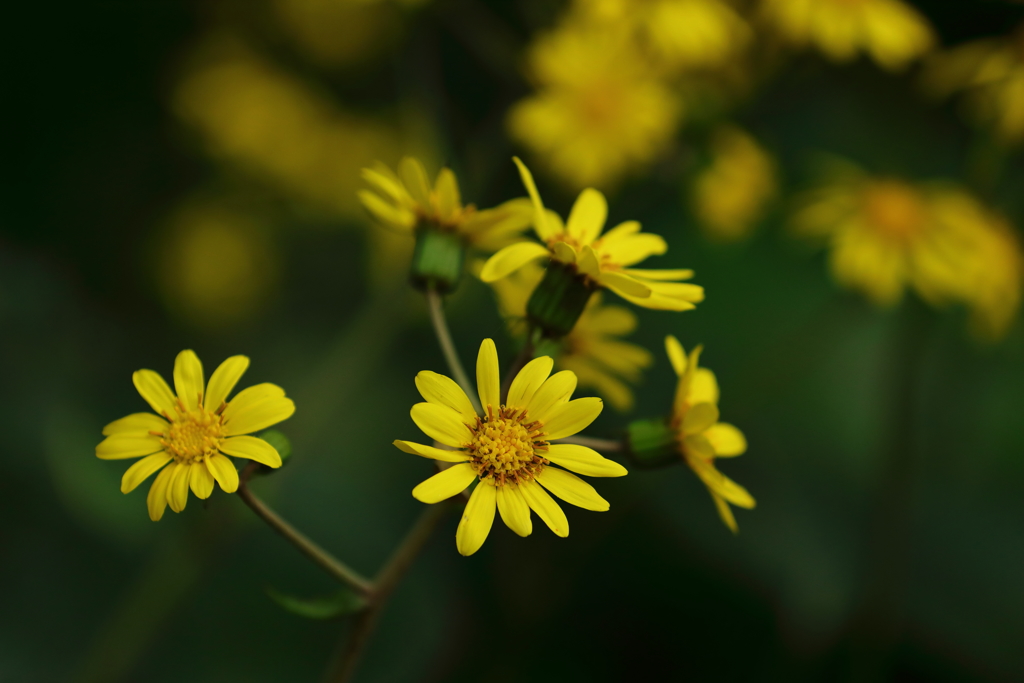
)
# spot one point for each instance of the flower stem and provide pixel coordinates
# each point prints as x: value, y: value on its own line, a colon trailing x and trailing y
x: 318, y: 555
x: 384, y: 584
x: 524, y: 357
x: 606, y: 445
x: 444, y: 338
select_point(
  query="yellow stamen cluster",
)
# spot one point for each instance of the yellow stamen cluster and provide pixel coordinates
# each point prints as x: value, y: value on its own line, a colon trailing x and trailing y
x: 194, y: 435
x: 505, y: 445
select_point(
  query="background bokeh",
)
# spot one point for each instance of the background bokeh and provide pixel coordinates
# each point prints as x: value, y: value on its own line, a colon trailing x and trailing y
x: 183, y: 175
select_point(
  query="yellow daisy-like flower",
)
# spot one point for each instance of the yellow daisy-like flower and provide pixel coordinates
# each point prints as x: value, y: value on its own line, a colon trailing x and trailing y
x: 731, y: 194
x: 603, y: 260
x: 188, y: 439
x: 701, y: 437
x: 508, y: 448
x: 891, y: 31
x: 599, y: 112
x: 406, y: 200
x: 593, y: 350
x: 990, y: 75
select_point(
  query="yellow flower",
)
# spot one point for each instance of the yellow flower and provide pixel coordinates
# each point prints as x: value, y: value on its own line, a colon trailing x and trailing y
x: 891, y: 31
x: 731, y: 194
x: 604, y: 261
x: 405, y: 200
x: 599, y: 112
x: 592, y: 350
x: 193, y: 431
x: 990, y: 75
x: 701, y: 437
x: 508, y: 449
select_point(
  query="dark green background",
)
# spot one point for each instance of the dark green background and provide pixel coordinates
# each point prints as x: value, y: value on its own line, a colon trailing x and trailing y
x: 886, y: 449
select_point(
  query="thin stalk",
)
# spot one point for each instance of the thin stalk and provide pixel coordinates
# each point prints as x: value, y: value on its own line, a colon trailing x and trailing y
x: 444, y: 338
x: 606, y: 445
x: 524, y: 357
x: 333, y: 566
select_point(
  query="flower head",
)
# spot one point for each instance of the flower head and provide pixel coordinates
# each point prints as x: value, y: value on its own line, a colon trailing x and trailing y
x: 604, y: 261
x: 189, y: 437
x: 700, y: 436
x: 507, y: 450
x: 891, y: 31
x: 406, y: 201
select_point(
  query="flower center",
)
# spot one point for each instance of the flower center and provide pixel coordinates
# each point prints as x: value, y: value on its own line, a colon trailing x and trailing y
x: 194, y: 435
x: 504, y: 448
x: 895, y: 210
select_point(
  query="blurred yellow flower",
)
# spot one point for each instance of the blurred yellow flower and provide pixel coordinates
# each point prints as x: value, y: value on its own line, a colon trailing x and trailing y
x: 680, y: 34
x: 406, y: 200
x: 990, y: 75
x: 604, y: 261
x: 731, y: 194
x: 599, y: 112
x: 591, y: 350
x: 891, y: 31
x: 507, y: 449
x: 336, y: 33
x: 701, y: 437
x: 193, y: 431
x: 217, y: 265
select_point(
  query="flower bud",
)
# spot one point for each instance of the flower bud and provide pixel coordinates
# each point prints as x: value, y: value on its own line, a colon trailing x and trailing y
x: 437, y: 260
x: 652, y: 443
x: 559, y: 300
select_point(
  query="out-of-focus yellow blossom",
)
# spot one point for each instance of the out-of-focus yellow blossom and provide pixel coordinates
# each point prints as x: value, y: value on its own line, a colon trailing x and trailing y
x: 193, y: 432
x: 990, y: 75
x: 730, y: 195
x: 701, y: 437
x: 679, y: 34
x: 592, y: 350
x: 338, y: 32
x: 605, y: 261
x: 892, y: 32
x: 259, y: 117
x: 507, y: 449
x: 216, y: 266
x: 406, y: 200
x: 599, y: 112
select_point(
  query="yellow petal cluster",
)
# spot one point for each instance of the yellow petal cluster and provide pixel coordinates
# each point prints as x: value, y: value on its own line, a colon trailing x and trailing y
x: 406, y: 199
x: 701, y: 437
x: 507, y: 448
x: 193, y: 431
x: 891, y: 31
x: 605, y: 260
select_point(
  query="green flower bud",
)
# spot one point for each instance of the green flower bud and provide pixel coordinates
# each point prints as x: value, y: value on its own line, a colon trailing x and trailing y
x: 437, y: 260
x: 652, y: 443
x: 558, y: 301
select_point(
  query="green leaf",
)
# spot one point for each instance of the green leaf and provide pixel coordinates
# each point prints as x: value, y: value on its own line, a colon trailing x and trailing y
x: 332, y: 606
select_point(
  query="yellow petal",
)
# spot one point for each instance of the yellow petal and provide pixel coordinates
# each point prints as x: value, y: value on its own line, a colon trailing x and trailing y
x: 727, y: 440
x: 388, y: 214
x: 223, y: 381
x: 572, y: 417
x: 588, y: 263
x: 698, y: 445
x: 141, y: 471
x: 572, y: 489
x: 703, y: 387
x: 156, y: 499
x: 514, y: 510
x: 154, y: 389
x: 618, y: 234
x: 200, y: 481
x: 563, y: 253
x: 725, y: 512
x: 177, y: 489
x: 188, y: 379
x: 699, y: 417
x: 251, y: 396
x: 447, y: 189
x: 511, y: 259
x: 586, y: 220
x: 556, y: 390
x: 634, y: 248
x: 477, y: 519
x: 121, y: 446
x: 383, y: 180
x: 488, y: 376
x: 445, y: 484
x: 257, y: 415
x: 223, y: 470
x: 431, y: 452
x: 441, y: 424
x: 414, y: 176
x: 540, y: 217
x: 529, y: 379
x: 659, y: 274
x: 436, y: 388
x: 252, y: 448
x: 545, y: 507
x: 137, y: 424
x: 583, y: 460
x: 676, y: 354
x: 624, y: 285
x: 721, y: 484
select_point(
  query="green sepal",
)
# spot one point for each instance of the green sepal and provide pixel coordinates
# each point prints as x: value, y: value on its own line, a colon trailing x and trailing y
x: 437, y: 260
x: 652, y: 443
x: 278, y: 440
x: 559, y: 300
x: 331, y: 606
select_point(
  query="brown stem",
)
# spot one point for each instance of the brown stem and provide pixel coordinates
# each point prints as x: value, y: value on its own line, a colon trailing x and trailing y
x: 606, y: 445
